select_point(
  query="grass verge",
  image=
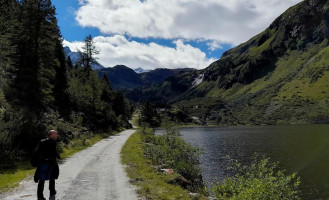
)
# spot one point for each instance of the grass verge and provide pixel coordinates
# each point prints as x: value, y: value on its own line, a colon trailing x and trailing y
x: 10, y: 178
x: 82, y: 143
x: 151, y: 184
x: 135, y: 120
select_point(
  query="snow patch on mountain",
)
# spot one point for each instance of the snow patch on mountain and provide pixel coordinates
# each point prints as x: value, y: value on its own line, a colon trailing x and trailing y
x: 140, y: 70
x: 75, y: 57
x: 198, y: 80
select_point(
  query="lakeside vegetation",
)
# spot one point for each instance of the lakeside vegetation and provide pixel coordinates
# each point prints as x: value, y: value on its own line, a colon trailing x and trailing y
x: 261, y: 179
x: 146, y: 153
x: 151, y: 183
x: 163, y: 167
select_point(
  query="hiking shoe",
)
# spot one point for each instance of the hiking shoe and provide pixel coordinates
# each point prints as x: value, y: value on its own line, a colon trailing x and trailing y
x: 52, y: 197
x: 41, y: 198
x: 53, y: 193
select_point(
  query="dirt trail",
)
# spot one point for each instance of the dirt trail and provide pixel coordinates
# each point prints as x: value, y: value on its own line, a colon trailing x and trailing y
x: 92, y: 174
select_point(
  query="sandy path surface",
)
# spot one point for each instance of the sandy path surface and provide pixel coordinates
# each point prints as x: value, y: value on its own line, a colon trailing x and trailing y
x: 95, y: 173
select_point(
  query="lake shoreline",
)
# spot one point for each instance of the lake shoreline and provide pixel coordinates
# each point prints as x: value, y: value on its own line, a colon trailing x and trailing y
x: 240, y: 125
x: 298, y: 148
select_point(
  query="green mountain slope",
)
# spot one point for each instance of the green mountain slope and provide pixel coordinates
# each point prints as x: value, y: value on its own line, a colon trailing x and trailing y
x: 161, y: 74
x: 279, y: 76
x: 121, y: 76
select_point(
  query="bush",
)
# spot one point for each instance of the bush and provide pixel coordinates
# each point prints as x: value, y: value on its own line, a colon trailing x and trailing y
x: 171, y: 151
x: 260, y: 180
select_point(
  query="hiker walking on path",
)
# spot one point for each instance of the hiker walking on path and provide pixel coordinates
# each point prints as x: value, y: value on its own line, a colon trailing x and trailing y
x: 45, y: 159
x: 95, y: 173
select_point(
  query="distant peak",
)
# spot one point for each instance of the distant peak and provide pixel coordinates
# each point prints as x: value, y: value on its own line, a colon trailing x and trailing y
x: 140, y: 70
x: 122, y: 67
x: 67, y: 50
x: 74, y: 56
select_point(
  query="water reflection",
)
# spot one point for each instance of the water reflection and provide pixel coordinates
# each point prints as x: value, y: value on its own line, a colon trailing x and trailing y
x: 303, y: 149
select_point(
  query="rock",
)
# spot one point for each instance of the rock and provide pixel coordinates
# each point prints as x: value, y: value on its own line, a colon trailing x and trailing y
x: 181, y: 181
x: 194, y: 195
x: 168, y: 171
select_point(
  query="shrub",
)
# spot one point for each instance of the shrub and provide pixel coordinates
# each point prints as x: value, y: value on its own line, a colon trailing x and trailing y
x: 171, y: 151
x: 260, y: 180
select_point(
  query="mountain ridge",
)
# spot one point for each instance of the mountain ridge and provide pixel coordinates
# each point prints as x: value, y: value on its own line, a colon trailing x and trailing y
x: 140, y: 70
x: 278, y: 76
x: 123, y: 77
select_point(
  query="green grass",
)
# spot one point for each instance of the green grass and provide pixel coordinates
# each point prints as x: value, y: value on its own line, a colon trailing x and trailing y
x: 151, y: 184
x: 80, y: 144
x: 256, y: 51
x: 135, y: 120
x: 10, y: 178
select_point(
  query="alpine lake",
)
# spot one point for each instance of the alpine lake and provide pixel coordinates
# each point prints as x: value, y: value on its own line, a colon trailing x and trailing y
x: 303, y: 149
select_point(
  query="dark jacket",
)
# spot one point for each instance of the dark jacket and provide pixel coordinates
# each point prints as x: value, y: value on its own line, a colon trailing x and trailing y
x: 47, y: 155
x: 48, y: 151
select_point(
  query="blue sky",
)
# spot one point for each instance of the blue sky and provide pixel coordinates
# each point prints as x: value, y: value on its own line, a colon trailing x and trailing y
x: 70, y: 28
x: 172, y: 33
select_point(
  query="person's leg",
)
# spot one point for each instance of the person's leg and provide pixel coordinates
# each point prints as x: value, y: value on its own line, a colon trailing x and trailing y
x: 41, y: 185
x: 52, y: 187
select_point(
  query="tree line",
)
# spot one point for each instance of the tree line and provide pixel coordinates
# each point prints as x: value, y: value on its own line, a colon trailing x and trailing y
x: 41, y: 88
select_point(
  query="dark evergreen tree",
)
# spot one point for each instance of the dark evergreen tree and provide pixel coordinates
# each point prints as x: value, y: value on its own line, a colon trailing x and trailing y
x: 9, y: 34
x: 87, y: 56
x: 120, y: 105
x: 37, y: 58
x: 106, y: 82
x: 69, y: 63
x: 61, y: 81
x: 149, y: 115
x: 35, y: 72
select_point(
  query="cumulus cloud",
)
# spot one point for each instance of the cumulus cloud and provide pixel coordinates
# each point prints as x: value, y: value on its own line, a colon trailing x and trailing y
x: 232, y: 21
x: 213, y: 45
x: 117, y: 49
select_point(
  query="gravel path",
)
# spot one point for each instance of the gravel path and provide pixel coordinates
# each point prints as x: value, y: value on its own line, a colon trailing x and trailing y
x: 92, y: 174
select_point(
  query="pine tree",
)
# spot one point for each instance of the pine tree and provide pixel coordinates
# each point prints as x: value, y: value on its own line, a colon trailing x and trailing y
x: 69, y: 63
x: 37, y: 58
x: 37, y: 82
x: 106, y: 82
x: 9, y: 26
x: 36, y: 61
x: 49, y: 39
x: 61, y: 81
x: 149, y: 115
x: 87, y: 57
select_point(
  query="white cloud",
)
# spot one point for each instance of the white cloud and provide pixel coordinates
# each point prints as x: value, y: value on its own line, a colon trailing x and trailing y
x: 117, y: 49
x: 74, y: 46
x: 215, y: 22
x: 232, y: 21
x: 213, y: 45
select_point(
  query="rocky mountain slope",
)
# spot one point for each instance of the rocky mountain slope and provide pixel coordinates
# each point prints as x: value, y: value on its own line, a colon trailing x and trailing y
x: 279, y: 76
